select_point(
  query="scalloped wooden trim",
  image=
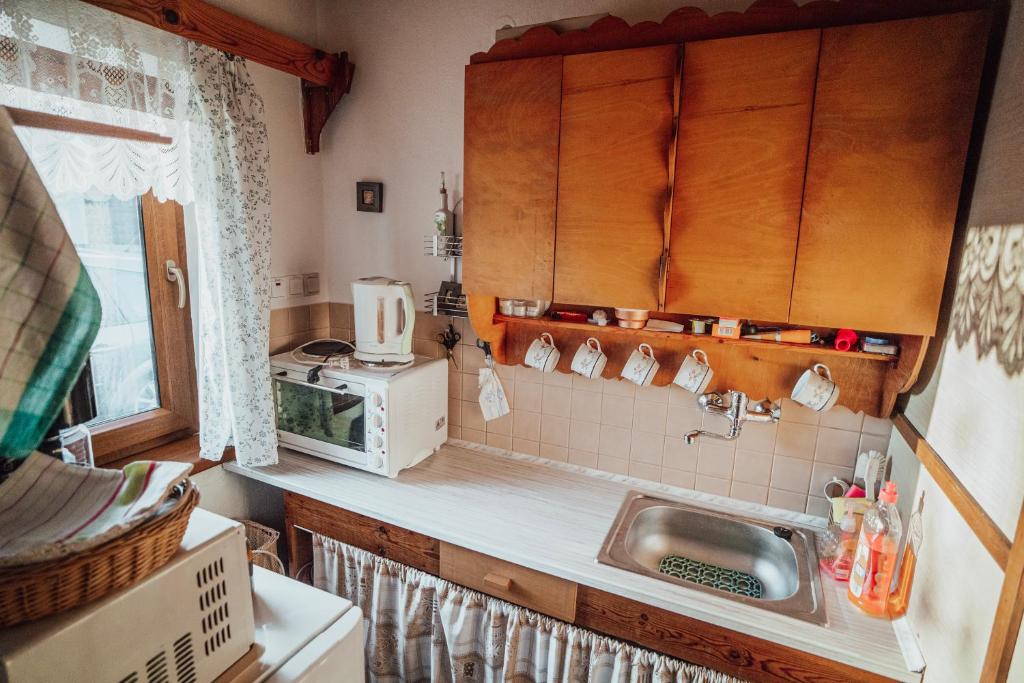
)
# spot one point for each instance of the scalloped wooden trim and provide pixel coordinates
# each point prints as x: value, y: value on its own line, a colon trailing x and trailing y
x: 692, y: 23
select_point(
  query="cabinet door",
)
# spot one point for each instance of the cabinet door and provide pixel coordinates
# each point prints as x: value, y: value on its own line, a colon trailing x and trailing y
x: 617, y: 110
x: 892, y: 120
x: 744, y: 120
x: 511, y: 163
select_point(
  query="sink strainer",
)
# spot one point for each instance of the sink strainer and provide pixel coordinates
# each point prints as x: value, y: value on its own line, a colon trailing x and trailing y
x: 706, y: 574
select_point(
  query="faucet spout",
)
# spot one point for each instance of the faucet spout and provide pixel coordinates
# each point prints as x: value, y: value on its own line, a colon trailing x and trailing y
x: 737, y: 409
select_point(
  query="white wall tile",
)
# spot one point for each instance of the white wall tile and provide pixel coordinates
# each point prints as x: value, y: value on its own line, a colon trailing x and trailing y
x: 758, y: 437
x: 682, y: 418
x: 474, y: 435
x: 526, y: 425
x: 791, y: 474
x: 558, y: 379
x: 749, y: 492
x: 454, y: 432
x: 554, y: 430
x: 455, y: 384
x: 680, y: 478
x: 499, y: 441
x: 881, y: 426
x: 620, y: 387
x: 528, y: 396
x: 527, y: 446
x: 795, y: 412
x: 557, y: 400
x: 617, y: 410
x: 584, y: 436
x: 472, y: 416
x: 715, y: 485
x: 872, y: 442
x: 796, y: 440
x: 528, y: 374
x: 646, y: 448
x: 454, y: 412
x: 643, y: 470
x: 552, y: 452
x: 818, y: 507
x: 679, y: 455
x: 837, y: 446
x: 587, y: 384
x: 841, y: 417
x: 615, y: 442
x: 715, y: 459
x: 653, y: 394
x: 501, y: 425
x: 583, y: 458
x: 787, y: 500
x: 586, y: 406
x: 607, y: 463
x: 650, y: 417
x: 752, y: 467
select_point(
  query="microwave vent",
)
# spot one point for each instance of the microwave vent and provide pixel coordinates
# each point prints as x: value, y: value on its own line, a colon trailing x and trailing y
x: 156, y: 669
x: 133, y: 677
x: 184, y: 659
x: 213, y: 604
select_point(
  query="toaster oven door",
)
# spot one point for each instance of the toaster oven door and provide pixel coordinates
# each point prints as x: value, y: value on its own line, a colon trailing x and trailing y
x: 323, y: 419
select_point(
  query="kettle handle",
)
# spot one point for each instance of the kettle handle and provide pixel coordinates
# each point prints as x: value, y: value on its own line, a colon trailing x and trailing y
x: 407, y: 312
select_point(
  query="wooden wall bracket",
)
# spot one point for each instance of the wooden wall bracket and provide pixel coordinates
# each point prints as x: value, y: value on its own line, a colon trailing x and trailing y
x: 318, y: 101
x: 325, y: 77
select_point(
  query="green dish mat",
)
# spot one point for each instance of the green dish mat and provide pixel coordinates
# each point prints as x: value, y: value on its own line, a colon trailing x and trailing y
x: 728, y: 580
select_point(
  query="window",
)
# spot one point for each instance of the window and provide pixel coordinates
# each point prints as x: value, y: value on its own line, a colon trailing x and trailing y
x: 138, y: 389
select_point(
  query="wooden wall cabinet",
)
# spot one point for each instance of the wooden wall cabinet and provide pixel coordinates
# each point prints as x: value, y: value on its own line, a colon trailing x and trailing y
x: 892, y: 121
x: 613, y: 180
x: 744, y: 119
x: 511, y: 161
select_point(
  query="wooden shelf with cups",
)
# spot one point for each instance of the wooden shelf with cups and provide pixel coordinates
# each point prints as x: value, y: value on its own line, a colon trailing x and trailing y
x: 868, y: 382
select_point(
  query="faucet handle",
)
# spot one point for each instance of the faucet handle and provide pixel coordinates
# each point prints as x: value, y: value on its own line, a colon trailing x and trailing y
x: 767, y: 408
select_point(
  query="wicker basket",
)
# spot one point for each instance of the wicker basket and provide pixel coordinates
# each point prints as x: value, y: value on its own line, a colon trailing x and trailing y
x: 37, y: 590
x: 262, y: 543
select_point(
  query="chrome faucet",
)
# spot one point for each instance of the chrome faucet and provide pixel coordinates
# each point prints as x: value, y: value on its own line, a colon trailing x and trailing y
x: 737, y: 408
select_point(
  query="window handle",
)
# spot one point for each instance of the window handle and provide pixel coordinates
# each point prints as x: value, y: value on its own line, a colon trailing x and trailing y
x: 174, y: 274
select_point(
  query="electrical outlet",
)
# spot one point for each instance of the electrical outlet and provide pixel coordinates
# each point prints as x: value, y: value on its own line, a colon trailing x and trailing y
x: 277, y: 290
x: 311, y: 283
x: 294, y: 285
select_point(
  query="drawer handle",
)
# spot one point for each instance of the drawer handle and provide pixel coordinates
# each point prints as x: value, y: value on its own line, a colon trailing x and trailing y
x: 498, y: 581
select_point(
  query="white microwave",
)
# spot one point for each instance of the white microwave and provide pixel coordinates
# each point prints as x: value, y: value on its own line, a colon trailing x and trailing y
x: 375, y: 420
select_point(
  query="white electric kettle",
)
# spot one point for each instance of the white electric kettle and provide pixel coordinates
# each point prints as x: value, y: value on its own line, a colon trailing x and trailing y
x: 384, y: 316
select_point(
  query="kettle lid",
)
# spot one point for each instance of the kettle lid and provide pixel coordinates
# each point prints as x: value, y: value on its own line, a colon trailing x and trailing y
x: 379, y: 280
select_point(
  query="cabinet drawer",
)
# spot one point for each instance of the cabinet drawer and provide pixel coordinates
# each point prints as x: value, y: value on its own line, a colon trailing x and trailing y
x: 526, y: 587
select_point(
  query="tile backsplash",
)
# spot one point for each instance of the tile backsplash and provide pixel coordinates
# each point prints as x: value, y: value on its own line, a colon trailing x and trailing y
x: 615, y: 426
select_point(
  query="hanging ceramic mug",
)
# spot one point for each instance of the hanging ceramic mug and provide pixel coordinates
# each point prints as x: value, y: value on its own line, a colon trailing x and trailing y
x: 589, y: 360
x: 542, y: 353
x: 695, y: 373
x: 641, y: 366
x: 815, y: 389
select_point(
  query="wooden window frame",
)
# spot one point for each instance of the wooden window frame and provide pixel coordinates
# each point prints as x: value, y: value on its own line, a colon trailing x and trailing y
x: 163, y: 228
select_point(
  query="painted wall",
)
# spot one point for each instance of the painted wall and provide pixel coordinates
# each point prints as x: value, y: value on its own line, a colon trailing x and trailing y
x: 972, y: 408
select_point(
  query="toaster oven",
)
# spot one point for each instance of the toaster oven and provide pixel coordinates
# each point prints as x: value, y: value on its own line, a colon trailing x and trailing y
x: 381, y: 421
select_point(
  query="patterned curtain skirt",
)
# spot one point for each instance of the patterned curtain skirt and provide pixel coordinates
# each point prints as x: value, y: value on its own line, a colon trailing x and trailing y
x: 422, y: 628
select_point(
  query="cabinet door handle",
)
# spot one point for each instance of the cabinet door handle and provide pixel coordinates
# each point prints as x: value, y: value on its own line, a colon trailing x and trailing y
x: 498, y: 581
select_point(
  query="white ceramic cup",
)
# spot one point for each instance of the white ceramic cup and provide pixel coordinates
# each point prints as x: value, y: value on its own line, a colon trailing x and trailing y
x: 589, y: 360
x: 542, y: 353
x: 695, y: 373
x: 815, y: 389
x: 641, y: 366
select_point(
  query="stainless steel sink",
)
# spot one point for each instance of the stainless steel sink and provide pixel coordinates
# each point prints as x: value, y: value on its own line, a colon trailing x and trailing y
x: 743, y: 559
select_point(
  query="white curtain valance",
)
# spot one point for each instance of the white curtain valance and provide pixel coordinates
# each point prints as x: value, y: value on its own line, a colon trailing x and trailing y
x: 422, y: 628
x: 69, y: 58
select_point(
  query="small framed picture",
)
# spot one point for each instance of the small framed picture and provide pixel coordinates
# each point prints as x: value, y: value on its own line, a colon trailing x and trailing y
x: 370, y: 197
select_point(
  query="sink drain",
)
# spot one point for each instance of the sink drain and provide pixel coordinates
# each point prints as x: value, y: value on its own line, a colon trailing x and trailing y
x: 709, y: 575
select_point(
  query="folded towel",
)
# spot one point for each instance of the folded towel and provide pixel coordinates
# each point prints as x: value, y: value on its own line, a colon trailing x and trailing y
x: 49, y: 508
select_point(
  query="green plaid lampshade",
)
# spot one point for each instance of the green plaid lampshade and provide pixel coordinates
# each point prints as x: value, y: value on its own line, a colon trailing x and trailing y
x: 49, y: 310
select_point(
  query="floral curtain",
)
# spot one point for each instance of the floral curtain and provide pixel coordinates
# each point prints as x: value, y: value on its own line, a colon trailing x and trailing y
x: 422, y: 628
x: 70, y: 58
x: 231, y: 160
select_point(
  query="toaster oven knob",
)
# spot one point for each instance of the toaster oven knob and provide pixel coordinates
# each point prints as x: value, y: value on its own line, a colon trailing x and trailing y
x: 377, y: 421
x: 377, y: 443
x: 378, y: 462
x: 377, y: 400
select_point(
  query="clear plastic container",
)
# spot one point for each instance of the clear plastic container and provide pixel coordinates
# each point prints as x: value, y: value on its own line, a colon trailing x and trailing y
x: 843, y: 562
x: 874, y: 563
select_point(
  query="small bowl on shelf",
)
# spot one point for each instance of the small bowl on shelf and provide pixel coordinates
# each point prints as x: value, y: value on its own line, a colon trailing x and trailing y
x: 632, y: 318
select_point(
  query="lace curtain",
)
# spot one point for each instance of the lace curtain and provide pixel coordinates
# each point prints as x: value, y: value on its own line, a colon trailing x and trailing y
x: 72, y: 59
x: 422, y: 628
x: 69, y: 58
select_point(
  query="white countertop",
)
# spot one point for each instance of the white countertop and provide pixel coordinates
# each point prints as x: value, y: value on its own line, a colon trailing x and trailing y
x: 553, y: 517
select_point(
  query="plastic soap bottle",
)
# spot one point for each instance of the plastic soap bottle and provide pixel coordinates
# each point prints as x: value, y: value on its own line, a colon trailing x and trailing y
x: 874, y: 563
x: 847, y: 547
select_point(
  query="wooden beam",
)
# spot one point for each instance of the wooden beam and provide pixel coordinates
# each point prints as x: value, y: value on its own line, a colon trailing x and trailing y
x: 1010, y: 609
x: 990, y: 535
x: 209, y: 25
x: 65, y: 124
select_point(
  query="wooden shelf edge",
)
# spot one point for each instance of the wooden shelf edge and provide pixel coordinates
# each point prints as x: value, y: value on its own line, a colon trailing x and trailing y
x: 707, y: 339
x: 983, y: 526
x: 182, y: 450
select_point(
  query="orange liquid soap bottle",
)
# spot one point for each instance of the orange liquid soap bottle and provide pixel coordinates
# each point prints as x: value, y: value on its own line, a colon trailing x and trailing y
x: 874, y: 563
